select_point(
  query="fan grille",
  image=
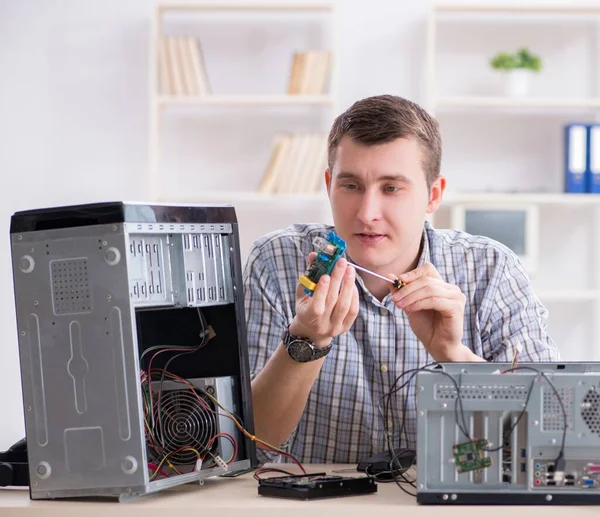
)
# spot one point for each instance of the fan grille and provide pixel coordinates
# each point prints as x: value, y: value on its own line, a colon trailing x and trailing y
x: 590, y: 411
x: 186, y: 420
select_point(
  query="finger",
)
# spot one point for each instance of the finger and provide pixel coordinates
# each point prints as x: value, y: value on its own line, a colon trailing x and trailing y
x: 319, y: 298
x: 445, y: 306
x: 337, y: 276
x: 414, y: 286
x: 344, y: 301
x: 428, y: 290
x: 311, y: 256
x: 353, y: 312
x: 426, y: 269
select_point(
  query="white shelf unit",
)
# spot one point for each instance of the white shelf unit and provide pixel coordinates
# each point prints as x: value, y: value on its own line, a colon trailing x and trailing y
x: 247, y: 100
x: 520, y: 198
x: 580, y: 208
x: 507, y: 102
x: 509, y: 12
x: 160, y: 103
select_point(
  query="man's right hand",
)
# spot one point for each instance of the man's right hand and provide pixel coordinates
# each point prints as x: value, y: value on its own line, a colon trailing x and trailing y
x: 330, y: 311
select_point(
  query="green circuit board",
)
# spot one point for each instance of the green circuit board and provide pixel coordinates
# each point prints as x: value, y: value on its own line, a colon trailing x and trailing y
x: 469, y: 456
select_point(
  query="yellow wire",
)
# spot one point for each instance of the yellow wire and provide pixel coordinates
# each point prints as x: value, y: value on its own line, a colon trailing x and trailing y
x: 246, y: 433
x: 233, y: 418
x: 166, y: 459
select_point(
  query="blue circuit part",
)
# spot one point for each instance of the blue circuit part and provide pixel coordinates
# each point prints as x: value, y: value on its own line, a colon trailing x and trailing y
x: 328, y: 252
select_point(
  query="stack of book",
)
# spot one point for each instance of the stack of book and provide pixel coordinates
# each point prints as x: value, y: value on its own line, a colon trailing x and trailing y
x: 297, y: 164
x: 181, y: 67
x: 582, y: 158
x: 310, y: 73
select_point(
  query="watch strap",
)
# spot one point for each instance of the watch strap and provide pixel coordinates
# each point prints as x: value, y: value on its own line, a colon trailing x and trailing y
x: 317, y: 352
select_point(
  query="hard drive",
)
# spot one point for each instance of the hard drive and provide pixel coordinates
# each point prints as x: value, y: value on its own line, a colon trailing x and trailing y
x: 315, y: 486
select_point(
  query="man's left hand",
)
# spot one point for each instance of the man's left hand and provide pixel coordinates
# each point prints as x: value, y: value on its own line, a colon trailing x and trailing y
x: 435, y: 311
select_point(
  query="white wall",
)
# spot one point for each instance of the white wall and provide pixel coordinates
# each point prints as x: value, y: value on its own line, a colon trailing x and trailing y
x: 74, y: 114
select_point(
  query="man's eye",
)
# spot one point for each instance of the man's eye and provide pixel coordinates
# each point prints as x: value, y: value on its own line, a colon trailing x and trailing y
x: 391, y: 189
x: 349, y: 186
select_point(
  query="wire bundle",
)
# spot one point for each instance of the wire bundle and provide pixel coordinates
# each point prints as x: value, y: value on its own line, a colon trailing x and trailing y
x: 181, y: 425
x: 399, y: 473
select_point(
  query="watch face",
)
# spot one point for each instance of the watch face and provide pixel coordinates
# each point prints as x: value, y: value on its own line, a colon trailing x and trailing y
x: 300, y: 351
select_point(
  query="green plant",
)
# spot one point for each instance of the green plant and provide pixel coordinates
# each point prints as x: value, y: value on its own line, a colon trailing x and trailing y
x: 522, y: 58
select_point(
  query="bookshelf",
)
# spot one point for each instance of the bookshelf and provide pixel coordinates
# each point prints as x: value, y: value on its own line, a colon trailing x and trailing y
x: 465, y: 102
x: 568, y: 234
x: 181, y: 82
x: 246, y: 100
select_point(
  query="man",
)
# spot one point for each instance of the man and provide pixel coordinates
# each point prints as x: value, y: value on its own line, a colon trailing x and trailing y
x: 466, y: 298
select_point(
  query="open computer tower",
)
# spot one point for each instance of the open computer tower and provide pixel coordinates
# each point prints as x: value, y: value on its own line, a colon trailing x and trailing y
x: 132, y: 343
x: 489, y: 433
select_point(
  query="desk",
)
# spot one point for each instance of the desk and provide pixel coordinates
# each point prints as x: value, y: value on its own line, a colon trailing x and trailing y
x: 238, y: 497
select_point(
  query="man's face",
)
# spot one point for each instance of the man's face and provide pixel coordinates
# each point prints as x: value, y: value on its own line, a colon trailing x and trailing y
x: 379, y: 198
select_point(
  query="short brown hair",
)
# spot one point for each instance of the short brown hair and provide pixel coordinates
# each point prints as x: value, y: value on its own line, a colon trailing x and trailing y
x: 383, y: 118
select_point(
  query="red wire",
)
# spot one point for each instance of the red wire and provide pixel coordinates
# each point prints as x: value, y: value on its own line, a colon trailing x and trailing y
x: 230, y: 438
x: 206, y: 406
x: 263, y: 471
x: 155, y: 467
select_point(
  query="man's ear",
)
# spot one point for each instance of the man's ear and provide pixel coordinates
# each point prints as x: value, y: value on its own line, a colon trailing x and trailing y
x: 436, y: 194
x: 328, y: 180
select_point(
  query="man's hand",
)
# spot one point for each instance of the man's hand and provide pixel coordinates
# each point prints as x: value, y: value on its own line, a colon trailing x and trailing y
x: 435, y: 312
x: 331, y: 311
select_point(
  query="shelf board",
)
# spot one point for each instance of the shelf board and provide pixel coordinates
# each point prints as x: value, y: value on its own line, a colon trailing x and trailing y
x: 449, y: 198
x: 507, y: 8
x: 569, y: 295
x: 245, y: 100
x: 510, y: 102
x: 245, y: 6
x: 521, y: 198
x: 225, y: 196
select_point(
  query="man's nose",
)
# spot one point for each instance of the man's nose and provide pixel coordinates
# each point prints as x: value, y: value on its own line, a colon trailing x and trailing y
x: 369, y: 209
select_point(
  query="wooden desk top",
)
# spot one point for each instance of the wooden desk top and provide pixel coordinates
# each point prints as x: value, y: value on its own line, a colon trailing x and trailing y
x: 224, y: 497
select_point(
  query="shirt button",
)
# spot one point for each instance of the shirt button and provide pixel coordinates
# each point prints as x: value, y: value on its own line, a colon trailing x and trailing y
x: 383, y: 368
x: 383, y: 311
x: 390, y: 424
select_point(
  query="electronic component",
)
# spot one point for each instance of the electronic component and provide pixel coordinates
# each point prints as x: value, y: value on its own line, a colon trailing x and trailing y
x: 538, y: 426
x: 328, y: 252
x: 470, y: 456
x: 315, y: 486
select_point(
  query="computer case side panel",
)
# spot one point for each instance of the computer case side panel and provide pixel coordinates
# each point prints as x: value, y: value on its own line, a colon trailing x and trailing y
x: 245, y: 384
x: 78, y: 354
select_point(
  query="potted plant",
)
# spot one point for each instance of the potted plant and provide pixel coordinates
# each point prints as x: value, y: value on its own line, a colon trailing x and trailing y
x: 518, y: 69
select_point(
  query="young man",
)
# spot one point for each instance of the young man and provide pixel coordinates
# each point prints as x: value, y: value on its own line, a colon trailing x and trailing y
x: 466, y: 298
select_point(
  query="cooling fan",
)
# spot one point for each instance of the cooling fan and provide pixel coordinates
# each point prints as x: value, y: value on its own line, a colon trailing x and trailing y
x: 590, y: 410
x: 187, y: 419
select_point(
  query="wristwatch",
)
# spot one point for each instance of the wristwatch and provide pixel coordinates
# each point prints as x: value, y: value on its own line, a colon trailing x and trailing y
x: 301, y: 349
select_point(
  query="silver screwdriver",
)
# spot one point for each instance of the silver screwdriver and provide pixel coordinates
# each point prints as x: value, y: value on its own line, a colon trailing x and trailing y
x: 397, y: 283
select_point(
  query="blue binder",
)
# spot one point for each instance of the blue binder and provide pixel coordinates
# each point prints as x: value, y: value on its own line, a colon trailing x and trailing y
x: 592, y: 172
x: 576, y: 158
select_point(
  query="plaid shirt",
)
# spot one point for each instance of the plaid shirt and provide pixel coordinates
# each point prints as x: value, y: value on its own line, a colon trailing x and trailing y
x: 341, y: 422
